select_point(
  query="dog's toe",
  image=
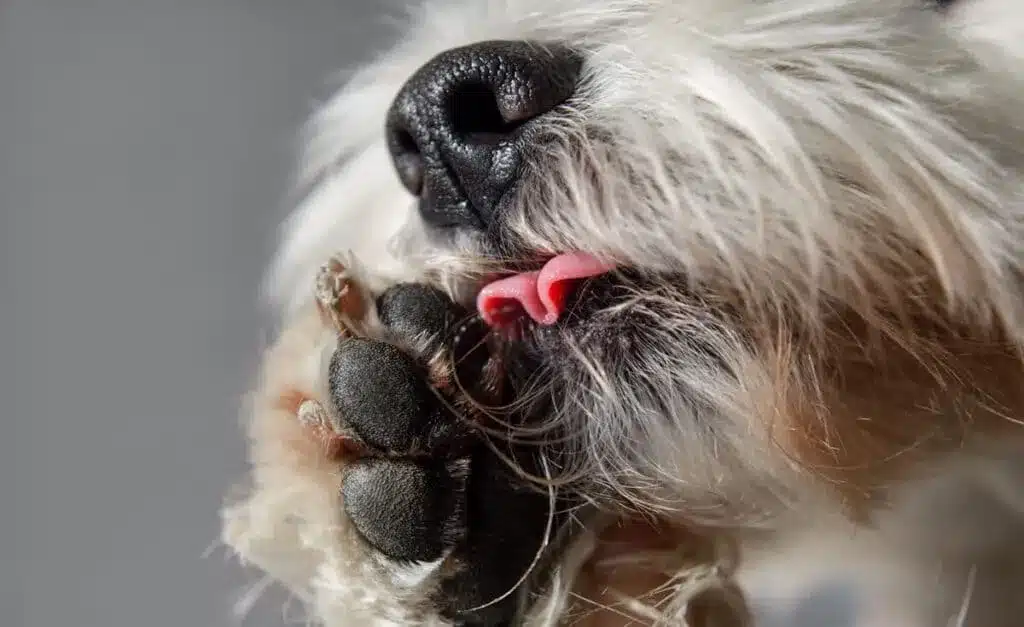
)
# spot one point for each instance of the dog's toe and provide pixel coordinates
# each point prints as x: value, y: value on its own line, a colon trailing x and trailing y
x: 381, y: 394
x: 417, y: 312
x: 423, y: 318
x: 408, y: 511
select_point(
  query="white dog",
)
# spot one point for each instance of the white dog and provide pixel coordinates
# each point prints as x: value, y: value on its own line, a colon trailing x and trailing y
x: 610, y: 311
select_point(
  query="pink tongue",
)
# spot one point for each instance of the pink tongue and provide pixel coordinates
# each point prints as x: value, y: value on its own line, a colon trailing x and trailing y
x: 541, y: 295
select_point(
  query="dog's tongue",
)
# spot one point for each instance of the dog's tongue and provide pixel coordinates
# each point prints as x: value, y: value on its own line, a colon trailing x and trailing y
x: 541, y: 295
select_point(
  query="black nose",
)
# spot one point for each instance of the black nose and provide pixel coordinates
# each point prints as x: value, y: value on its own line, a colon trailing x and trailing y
x: 459, y: 127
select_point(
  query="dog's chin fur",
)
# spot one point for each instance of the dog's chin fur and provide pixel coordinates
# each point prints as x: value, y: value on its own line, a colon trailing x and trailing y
x: 820, y: 208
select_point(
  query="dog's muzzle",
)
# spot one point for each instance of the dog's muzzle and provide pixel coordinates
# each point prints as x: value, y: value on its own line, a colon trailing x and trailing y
x: 459, y: 128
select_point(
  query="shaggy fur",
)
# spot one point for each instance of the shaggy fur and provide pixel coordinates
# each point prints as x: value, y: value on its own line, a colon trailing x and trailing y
x: 820, y: 204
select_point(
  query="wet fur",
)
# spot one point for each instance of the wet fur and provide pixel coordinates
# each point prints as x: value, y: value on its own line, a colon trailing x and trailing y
x: 824, y: 202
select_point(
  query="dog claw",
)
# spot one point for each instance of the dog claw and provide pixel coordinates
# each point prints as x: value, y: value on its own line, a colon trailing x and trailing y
x: 312, y: 414
x: 340, y: 298
x: 315, y: 417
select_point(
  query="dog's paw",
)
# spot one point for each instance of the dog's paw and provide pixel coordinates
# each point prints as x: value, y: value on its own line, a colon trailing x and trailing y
x: 406, y: 494
x: 424, y: 486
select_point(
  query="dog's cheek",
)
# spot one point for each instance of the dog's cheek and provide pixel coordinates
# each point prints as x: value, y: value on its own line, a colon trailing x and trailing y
x: 672, y: 381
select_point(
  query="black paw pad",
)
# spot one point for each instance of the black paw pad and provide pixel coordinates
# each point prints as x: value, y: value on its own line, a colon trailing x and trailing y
x: 413, y: 310
x: 426, y: 314
x: 407, y: 511
x: 381, y: 394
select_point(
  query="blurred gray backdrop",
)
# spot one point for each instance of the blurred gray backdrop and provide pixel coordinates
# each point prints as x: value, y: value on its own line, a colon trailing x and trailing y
x: 145, y: 150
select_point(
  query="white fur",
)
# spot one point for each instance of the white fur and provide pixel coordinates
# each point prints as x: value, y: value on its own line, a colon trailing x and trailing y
x: 795, y: 151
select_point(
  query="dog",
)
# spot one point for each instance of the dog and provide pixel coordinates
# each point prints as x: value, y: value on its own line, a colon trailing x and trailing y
x: 615, y: 312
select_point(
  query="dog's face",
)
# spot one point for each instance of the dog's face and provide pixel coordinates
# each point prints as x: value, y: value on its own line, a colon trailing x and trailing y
x: 762, y: 179
x: 732, y: 239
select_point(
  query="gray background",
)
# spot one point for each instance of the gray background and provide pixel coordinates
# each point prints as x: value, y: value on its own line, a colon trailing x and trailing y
x: 145, y: 148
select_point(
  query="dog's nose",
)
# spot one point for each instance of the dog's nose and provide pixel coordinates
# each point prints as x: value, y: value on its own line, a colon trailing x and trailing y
x: 459, y: 127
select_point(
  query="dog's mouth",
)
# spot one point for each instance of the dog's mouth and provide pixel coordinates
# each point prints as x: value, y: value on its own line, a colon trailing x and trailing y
x: 540, y: 295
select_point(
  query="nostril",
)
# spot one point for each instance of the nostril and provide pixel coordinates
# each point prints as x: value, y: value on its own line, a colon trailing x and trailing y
x: 475, y: 112
x: 458, y: 129
x: 406, y: 142
x: 408, y: 160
